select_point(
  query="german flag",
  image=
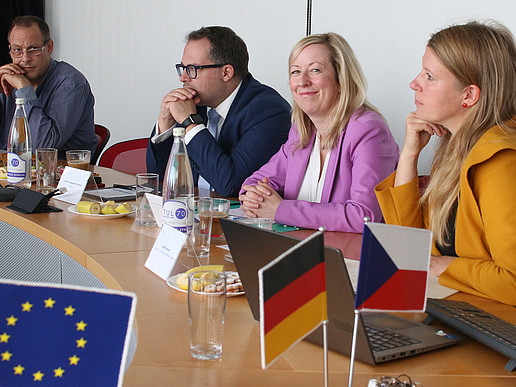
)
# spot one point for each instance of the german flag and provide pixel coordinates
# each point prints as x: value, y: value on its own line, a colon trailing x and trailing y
x: 292, y: 297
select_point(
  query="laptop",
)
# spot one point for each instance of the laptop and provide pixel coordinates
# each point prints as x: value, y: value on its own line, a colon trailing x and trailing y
x: 381, y: 336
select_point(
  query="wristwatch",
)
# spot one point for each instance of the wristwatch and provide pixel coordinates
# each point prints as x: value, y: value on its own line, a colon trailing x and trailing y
x: 191, y: 119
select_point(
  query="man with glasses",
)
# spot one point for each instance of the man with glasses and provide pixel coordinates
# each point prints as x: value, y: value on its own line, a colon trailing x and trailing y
x: 234, y: 124
x: 59, y: 102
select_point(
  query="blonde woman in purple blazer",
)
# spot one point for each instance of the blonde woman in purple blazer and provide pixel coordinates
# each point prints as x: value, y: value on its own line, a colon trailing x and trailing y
x: 339, y: 146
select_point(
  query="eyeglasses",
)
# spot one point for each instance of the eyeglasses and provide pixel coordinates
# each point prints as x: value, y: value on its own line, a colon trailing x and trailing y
x: 191, y: 70
x: 31, y: 52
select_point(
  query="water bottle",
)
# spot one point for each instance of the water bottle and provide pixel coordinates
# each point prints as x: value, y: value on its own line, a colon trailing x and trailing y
x: 19, y: 148
x: 178, y: 186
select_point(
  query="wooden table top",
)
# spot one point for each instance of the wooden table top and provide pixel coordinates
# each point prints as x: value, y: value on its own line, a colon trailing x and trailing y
x: 163, y: 357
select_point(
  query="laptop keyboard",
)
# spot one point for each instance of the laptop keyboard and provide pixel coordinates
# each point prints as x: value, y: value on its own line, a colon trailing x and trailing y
x: 482, y: 326
x: 383, y: 339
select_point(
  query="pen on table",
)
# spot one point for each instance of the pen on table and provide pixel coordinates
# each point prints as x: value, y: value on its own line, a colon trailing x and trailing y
x: 131, y: 187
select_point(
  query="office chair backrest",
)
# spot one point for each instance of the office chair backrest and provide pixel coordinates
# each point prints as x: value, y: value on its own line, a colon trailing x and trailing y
x: 103, y: 134
x: 423, y: 183
x: 126, y: 156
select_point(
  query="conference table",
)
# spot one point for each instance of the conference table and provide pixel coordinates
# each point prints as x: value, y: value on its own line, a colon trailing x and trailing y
x: 115, y: 250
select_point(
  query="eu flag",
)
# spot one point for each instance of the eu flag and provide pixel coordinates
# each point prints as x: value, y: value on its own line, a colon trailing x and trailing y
x: 61, y: 335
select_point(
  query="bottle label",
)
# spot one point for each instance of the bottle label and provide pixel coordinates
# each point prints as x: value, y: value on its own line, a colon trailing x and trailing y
x: 17, y: 167
x: 175, y: 214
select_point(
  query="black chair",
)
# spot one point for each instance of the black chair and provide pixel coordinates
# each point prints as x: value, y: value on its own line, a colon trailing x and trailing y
x: 103, y: 134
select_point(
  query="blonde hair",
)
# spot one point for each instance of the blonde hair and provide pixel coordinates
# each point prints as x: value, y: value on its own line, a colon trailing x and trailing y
x: 351, y: 81
x: 476, y: 54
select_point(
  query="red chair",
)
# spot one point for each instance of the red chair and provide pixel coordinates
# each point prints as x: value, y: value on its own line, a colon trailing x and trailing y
x: 423, y: 183
x: 126, y: 156
x: 102, y: 133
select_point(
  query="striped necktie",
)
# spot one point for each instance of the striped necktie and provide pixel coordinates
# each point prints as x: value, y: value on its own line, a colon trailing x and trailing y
x: 213, y: 120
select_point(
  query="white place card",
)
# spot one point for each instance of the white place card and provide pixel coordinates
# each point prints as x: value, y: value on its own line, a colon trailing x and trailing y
x: 74, y: 180
x: 165, y: 251
x: 156, y: 205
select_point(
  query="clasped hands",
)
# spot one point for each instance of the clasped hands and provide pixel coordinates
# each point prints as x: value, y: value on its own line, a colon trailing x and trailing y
x: 12, y: 77
x: 176, y: 106
x: 260, y: 201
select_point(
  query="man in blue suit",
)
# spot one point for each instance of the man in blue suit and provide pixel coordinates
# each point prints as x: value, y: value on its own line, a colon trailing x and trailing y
x: 234, y: 124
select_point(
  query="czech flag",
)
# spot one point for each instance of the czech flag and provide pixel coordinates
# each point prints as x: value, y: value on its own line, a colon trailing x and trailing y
x: 393, y: 268
x: 292, y: 297
x: 58, y: 335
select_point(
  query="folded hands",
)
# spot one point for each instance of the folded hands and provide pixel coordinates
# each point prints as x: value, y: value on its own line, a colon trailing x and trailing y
x: 261, y: 200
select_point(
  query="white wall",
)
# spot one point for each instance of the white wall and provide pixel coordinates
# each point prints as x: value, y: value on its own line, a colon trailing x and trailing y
x: 389, y: 39
x: 127, y: 48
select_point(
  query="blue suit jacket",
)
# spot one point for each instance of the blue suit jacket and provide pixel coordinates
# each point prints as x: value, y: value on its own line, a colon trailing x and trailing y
x: 256, y: 126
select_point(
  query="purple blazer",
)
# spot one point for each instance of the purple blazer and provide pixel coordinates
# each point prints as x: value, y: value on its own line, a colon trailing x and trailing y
x: 366, y: 153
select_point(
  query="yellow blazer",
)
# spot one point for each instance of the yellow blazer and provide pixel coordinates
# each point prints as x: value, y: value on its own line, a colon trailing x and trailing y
x: 485, y: 233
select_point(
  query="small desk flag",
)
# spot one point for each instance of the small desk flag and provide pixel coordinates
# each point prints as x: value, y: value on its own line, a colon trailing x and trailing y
x: 292, y: 297
x: 62, y: 335
x: 393, y: 268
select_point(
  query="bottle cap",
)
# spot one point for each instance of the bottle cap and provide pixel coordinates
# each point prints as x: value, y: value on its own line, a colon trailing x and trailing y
x: 19, y: 101
x: 178, y: 131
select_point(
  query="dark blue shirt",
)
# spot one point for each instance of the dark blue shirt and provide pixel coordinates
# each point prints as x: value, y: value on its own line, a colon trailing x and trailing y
x: 60, y: 111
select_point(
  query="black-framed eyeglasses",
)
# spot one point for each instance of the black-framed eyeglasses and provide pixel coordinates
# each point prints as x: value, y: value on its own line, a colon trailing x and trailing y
x: 191, y: 70
x: 32, y: 51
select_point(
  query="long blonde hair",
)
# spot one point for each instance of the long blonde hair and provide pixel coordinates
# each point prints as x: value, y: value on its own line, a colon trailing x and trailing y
x: 349, y: 77
x: 476, y: 54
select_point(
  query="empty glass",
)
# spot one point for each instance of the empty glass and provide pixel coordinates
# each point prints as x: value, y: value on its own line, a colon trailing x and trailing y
x: 145, y: 183
x: 198, y: 243
x: 206, y: 308
x: 46, y: 169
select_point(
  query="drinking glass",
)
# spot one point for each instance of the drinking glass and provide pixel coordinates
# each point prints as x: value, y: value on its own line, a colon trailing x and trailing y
x: 206, y: 307
x: 220, y: 210
x: 264, y: 223
x: 198, y: 243
x: 78, y: 158
x: 145, y: 183
x: 46, y: 169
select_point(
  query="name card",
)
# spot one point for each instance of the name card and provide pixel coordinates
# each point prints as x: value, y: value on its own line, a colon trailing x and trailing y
x: 165, y: 251
x: 74, y: 180
x: 156, y: 205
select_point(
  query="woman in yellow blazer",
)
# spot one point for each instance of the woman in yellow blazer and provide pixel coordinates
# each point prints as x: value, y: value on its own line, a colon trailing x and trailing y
x: 466, y: 95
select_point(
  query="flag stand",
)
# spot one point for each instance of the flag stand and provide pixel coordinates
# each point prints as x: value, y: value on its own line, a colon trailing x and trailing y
x: 325, y: 347
x: 353, y: 348
x: 355, y: 331
x: 325, y: 338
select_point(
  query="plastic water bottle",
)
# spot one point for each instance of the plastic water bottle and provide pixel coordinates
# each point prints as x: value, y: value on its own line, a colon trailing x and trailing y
x: 19, y: 148
x: 178, y: 186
